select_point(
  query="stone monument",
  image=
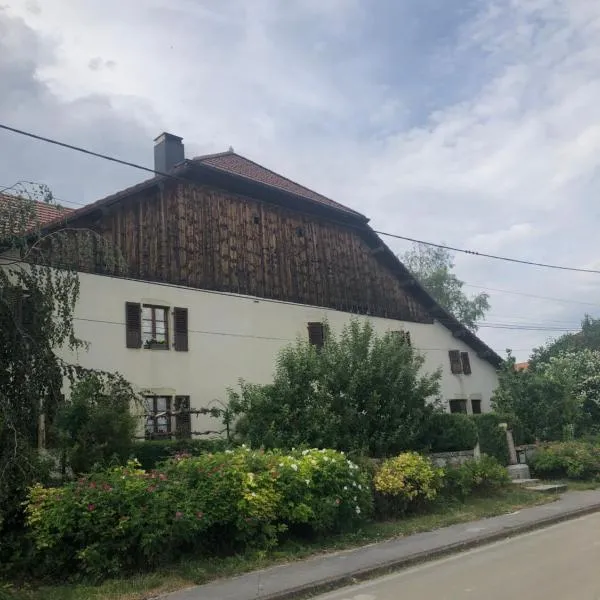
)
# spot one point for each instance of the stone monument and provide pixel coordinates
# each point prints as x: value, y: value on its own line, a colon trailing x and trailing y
x: 515, y: 469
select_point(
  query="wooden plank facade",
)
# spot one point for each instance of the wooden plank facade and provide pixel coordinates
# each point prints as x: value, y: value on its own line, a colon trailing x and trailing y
x: 202, y: 236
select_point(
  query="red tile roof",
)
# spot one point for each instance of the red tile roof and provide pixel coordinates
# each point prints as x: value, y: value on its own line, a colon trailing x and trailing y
x: 522, y: 366
x: 45, y: 212
x: 234, y: 164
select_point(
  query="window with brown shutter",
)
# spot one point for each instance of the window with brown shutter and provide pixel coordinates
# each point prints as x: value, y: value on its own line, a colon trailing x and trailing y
x: 316, y: 334
x: 458, y: 406
x: 158, y: 416
x: 465, y: 362
x: 455, y: 362
x: 180, y: 328
x: 133, y: 324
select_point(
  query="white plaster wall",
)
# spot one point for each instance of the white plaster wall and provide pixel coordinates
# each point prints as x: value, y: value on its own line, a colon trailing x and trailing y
x: 233, y: 337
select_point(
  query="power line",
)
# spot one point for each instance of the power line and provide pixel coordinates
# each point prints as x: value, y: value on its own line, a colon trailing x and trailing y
x: 383, y: 233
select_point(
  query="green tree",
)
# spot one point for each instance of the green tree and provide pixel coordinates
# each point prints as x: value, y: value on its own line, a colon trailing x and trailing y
x: 37, y: 302
x: 361, y: 392
x: 561, y: 393
x: 587, y: 338
x: 433, y: 268
x: 96, y: 425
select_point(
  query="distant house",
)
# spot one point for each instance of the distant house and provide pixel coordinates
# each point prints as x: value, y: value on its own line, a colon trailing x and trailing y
x: 228, y: 262
x: 522, y: 366
x: 45, y: 212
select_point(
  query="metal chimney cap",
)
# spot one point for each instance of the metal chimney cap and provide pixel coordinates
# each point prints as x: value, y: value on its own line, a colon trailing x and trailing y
x: 164, y: 136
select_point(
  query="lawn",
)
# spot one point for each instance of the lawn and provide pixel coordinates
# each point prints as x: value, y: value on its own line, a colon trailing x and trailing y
x: 195, y: 571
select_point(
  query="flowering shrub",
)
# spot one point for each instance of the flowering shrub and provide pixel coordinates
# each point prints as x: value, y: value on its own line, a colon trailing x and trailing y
x: 574, y: 460
x: 406, y: 481
x: 475, y: 476
x: 125, y: 517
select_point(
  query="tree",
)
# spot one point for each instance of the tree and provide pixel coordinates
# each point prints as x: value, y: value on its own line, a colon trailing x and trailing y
x: 96, y: 425
x: 433, y: 268
x: 39, y: 287
x: 587, y: 338
x: 561, y: 394
x: 360, y: 392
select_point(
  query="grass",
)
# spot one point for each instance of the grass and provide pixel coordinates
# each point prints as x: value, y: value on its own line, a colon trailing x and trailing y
x: 196, y: 571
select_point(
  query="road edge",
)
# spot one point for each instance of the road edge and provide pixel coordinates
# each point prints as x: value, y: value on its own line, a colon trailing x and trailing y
x: 331, y: 584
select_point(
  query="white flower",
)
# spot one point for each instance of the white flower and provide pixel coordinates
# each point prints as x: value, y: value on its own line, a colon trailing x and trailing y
x: 305, y: 452
x: 345, y: 488
x: 355, y: 498
x: 357, y: 509
x: 354, y: 483
x: 228, y: 451
x: 294, y: 466
x: 359, y: 486
x: 281, y: 464
x: 307, y: 481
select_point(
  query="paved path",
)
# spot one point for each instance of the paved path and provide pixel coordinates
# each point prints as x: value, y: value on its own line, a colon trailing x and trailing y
x: 332, y: 571
x: 557, y: 563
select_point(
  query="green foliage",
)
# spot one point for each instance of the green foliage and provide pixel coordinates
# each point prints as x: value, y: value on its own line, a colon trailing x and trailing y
x: 127, y: 518
x: 492, y: 438
x: 433, y: 268
x: 447, y: 432
x: 480, y: 476
x: 362, y: 393
x: 405, y: 482
x: 560, y: 395
x: 150, y: 453
x: 96, y: 426
x: 574, y: 460
x: 586, y: 339
x: 537, y: 401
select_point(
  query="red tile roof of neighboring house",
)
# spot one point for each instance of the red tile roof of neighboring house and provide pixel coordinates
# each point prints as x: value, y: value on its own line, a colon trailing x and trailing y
x: 522, y: 366
x: 233, y: 163
x: 45, y: 212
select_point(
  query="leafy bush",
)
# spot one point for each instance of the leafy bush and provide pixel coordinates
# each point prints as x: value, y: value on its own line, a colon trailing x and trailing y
x: 126, y: 518
x: 150, y: 453
x: 483, y: 475
x: 492, y: 438
x: 574, y: 460
x: 96, y: 426
x: 447, y: 432
x: 407, y: 481
x: 362, y: 392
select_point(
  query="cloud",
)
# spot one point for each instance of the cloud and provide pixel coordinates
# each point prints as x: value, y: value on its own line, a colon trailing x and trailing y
x: 473, y: 123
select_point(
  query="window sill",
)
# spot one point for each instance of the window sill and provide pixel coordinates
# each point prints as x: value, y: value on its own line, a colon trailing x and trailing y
x: 156, y: 347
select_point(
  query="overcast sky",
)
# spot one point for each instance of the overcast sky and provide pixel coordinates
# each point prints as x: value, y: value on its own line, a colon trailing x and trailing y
x: 470, y: 122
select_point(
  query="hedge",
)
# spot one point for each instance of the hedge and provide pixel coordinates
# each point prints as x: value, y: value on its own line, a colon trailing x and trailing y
x: 447, y: 432
x: 150, y: 453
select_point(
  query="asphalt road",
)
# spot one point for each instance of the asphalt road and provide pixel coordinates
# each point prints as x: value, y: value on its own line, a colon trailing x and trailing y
x: 558, y: 563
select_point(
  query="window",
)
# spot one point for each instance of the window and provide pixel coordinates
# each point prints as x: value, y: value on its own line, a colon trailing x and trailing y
x: 465, y: 362
x: 455, y: 362
x: 158, y: 416
x: 183, y: 418
x: 458, y: 406
x: 155, y: 333
x: 316, y: 334
x: 476, y: 407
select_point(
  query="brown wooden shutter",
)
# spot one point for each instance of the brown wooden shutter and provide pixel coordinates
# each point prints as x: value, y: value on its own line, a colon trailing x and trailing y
x: 476, y: 407
x: 466, y: 363
x: 316, y: 334
x: 183, y: 417
x: 455, y: 363
x: 180, y: 328
x: 133, y: 324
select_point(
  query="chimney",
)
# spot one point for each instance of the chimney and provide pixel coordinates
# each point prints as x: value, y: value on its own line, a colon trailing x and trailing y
x: 168, y: 152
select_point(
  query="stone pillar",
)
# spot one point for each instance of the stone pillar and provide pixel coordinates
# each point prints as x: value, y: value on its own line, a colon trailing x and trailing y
x: 512, y: 452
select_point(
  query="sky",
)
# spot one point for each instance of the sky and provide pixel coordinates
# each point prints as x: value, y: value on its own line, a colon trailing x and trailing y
x: 474, y: 123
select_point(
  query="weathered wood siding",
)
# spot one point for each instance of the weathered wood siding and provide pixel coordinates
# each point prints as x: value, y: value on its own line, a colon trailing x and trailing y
x: 207, y: 238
